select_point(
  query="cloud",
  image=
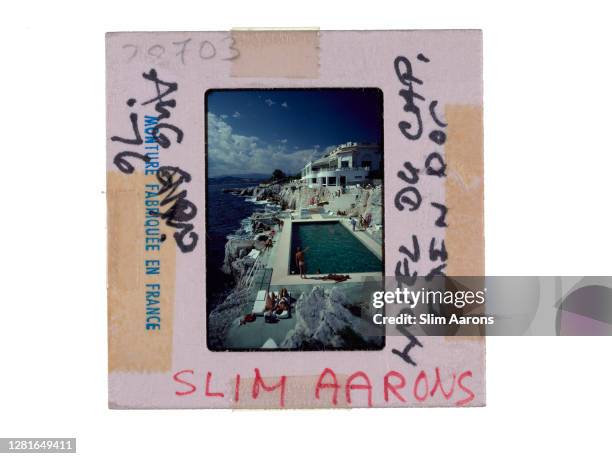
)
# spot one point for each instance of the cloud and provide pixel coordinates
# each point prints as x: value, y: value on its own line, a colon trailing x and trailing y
x: 230, y: 153
x: 236, y: 115
x: 283, y: 141
x: 270, y: 102
x: 285, y: 105
x: 224, y: 116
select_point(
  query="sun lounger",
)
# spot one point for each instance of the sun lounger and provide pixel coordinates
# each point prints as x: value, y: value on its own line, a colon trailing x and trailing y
x: 259, y: 307
x: 260, y: 303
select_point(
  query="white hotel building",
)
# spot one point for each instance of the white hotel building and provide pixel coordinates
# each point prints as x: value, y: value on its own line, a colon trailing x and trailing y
x: 348, y: 164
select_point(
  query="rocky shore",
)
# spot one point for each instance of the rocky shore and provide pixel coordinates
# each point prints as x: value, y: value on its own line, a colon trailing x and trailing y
x: 354, y: 202
x: 324, y: 321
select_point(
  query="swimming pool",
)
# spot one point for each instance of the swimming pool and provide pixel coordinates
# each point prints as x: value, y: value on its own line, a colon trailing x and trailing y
x: 331, y: 248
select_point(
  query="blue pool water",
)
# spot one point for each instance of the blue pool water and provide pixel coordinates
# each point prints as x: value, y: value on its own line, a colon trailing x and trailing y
x: 331, y: 248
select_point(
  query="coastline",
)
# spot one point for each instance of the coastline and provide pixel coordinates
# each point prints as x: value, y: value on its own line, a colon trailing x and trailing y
x: 247, y: 256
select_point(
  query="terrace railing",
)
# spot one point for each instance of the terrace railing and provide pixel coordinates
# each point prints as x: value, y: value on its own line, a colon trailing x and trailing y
x: 356, y: 169
x: 247, y: 280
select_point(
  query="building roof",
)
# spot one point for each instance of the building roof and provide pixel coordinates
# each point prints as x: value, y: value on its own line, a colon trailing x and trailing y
x: 341, y: 150
x: 321, y: 161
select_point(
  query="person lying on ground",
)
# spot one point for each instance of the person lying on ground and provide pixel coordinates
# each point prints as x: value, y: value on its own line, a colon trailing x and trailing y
x: 334, y: 277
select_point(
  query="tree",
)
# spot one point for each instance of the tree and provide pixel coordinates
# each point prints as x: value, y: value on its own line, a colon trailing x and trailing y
x: 278, y: 174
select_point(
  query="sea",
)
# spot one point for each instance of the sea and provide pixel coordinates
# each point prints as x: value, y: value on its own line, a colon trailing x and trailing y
x: 227, y: 217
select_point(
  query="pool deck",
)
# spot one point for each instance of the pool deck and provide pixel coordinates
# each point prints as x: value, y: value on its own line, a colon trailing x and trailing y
x: 255, y: 334
x: 279, y: 260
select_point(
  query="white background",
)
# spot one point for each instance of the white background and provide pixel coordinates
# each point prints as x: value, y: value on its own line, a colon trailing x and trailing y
x: 548, y: 165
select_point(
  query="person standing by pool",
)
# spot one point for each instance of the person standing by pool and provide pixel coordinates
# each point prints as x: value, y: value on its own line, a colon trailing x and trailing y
x: 299, y: 260
x: 353, y: 222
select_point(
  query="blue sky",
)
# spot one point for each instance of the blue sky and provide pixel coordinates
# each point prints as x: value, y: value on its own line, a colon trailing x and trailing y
x: 257, y: 131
